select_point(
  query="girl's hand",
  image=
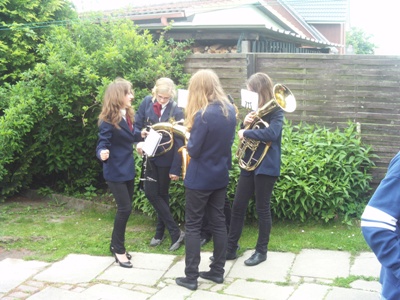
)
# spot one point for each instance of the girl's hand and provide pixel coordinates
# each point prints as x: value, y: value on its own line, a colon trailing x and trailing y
x: 104, y: 154
x: 249, y: 118
x: 139, y: 148
x: 173, y: 177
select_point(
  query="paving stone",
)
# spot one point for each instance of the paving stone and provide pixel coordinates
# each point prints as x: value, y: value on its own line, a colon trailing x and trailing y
x: 19, y: 295
x: 366, y: 264
x: 50, y: 293
x: 152, y: 261
x: 275, y: 269
x: 322, y: 264
x: 132, y: 275
x: 37, y: 284
x: 75, y: 268
x: 28, y: 289
x: 14, y: 272
x: 373, y: 286
x: 109, y: 292
x: 351, y: 294
x: 309, y: 291
x: 259, y: 290
x: 172, y: 292
x: 202, y: 295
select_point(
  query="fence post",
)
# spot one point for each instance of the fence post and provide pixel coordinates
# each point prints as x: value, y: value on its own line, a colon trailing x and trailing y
x: 251, y: 64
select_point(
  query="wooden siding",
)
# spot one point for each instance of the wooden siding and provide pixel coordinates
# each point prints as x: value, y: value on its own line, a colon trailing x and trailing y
x: 330, y: 91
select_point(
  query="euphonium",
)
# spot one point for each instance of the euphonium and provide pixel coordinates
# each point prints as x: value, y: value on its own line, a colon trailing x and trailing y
x: 170, y: 129
x: 283, y: 99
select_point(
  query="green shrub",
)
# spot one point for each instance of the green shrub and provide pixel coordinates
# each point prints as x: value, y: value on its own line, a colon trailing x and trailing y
x: 324, y: 174
x: 48, y: 130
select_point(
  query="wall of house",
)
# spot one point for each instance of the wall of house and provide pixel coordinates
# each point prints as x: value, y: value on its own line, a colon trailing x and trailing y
x: 330, y: 90
x: 334, y: 33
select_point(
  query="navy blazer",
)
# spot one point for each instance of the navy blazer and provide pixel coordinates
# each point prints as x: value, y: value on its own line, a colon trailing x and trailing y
x: 271, y: 164
x: 120, y: 166
x: 210, y: 149
x: 146, y: 116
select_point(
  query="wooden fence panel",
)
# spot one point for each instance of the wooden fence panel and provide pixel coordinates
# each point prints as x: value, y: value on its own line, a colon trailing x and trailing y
x: 330, y: 90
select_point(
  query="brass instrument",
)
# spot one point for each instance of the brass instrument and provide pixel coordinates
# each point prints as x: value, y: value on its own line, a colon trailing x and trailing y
x: 283, y: 99
x: 169, y: 129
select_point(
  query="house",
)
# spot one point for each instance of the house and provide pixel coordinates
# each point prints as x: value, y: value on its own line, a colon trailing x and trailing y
x: 218, y: 26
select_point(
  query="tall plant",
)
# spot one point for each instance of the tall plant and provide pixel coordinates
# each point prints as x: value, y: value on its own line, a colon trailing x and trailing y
x: 22, y: 26
x: 49, y: 131
x: 325, y: 174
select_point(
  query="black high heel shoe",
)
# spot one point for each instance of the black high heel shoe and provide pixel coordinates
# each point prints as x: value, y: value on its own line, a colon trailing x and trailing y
x: 127, y: 264
x: 128, y: 256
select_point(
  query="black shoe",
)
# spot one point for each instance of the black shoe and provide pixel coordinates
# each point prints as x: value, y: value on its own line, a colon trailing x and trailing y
x: 178, y: 243
x: 229, y: 256
x: 212, y: 277
x: 189, y: 284
x: 255, y: 259
x: 128, y: 256
x: 126, y: 264
x: 156, y: 242
x: 204, y: 241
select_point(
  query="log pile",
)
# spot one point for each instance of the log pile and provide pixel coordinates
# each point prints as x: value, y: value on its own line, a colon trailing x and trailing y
x: 214, y: 48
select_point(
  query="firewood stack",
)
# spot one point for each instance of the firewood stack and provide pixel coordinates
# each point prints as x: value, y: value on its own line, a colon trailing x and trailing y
x: 215, y: 48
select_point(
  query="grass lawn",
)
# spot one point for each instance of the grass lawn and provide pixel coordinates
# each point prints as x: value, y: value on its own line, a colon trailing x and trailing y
x: 49, y: 231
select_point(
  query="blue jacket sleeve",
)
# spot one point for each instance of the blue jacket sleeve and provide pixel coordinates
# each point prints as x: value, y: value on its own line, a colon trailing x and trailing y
x: 267, y: 134
x: 380, y: 220
x: 197, y: 136
x: 105, y: 135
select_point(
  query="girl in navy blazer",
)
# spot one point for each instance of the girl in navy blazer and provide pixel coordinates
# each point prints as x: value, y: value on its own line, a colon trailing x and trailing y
x: 163, y: 167
x: 115, y: 150
x: 211, y: 120
x: 261, y: 181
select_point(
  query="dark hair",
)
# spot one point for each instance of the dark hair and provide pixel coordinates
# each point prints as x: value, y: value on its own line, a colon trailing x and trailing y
x: 261, y: 84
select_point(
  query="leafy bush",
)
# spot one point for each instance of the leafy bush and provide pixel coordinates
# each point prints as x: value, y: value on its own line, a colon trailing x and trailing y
x: 324, y: 174
x: 23, y: 25
x: 48, y: 132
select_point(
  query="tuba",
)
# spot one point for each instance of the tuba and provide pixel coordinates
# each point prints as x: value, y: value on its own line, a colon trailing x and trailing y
x: 169, y: 129
x: 283, y: 99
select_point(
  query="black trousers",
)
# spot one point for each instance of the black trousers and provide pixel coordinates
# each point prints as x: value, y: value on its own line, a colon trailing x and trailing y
x: 199, y: 203
x: 206, y: 228
x: 123, y: 193
x: 261, y: 187
x: 156, y: 189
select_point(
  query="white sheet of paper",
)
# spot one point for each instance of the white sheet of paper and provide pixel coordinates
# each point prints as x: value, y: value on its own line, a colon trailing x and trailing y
x: 183, y: 96
x: 151, y: 142
x: 249, y: 99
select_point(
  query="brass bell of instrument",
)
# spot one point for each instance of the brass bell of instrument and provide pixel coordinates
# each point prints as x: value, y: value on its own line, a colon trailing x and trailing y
x: 170, y: 129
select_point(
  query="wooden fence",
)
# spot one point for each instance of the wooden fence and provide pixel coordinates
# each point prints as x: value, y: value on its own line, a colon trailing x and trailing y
x: 330, y: 91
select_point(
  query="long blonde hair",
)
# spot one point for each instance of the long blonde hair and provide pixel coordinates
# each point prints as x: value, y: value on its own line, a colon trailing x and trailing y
x: 204, y: 88
x: 113, y: 102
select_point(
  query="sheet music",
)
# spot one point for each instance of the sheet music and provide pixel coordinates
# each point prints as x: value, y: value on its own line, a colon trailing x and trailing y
x: 249, y: 99
x: 183, y: 96
x: 151, y: 142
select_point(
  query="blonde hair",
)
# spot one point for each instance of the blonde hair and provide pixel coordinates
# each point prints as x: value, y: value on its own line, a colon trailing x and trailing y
x: 204, y: 88
x: 113, y: 102
x: 164, y: 85
x: 261, y: 84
